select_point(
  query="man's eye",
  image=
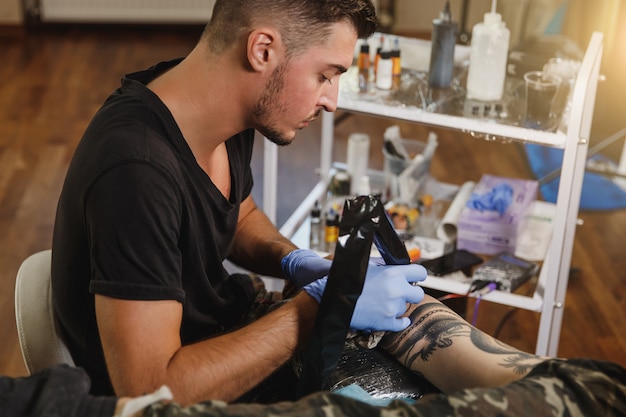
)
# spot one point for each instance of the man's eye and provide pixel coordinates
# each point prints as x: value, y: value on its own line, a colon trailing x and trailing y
x: 324, y: 79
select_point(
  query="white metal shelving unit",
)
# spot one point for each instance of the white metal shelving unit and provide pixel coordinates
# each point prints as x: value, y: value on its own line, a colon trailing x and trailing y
x: 549, y: 297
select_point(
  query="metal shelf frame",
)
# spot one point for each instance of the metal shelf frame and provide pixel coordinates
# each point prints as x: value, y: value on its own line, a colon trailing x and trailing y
x: 549, y: 297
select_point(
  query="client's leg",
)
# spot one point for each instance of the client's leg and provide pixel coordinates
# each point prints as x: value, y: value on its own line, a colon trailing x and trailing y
x: 554, y: 388
x: 451, y: 353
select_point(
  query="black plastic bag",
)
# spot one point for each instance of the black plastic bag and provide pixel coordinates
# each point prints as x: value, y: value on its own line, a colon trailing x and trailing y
x: 363, y: 222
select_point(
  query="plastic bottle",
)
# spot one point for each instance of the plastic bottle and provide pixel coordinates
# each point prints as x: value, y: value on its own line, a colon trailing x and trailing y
x: 384, y: 64
x: 442, y: 50
x: 384, y: 68
x: 363, y: 186
x: 488, y: 57
x: 396, y: 58
x: 357, y: 158
x: 316, y: 224
x: 379, y: 49
x: 364, y: 66
x: 331, y: 231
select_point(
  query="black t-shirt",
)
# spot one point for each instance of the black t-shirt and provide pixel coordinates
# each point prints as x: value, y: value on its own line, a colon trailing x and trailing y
x: 139, y: 219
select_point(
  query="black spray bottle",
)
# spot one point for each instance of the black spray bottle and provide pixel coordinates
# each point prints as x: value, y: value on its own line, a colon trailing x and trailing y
x: 442, y: 50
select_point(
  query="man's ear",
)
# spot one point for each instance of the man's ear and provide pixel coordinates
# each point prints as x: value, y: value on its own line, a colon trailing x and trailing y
x: 264, y: 49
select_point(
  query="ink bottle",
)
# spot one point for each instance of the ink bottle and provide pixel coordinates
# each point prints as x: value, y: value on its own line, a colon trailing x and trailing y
x: 379, y: 50
x: 396, y: 59
x: 384, y: 73
x: 316, y: 224
x: 331, y: 231
x: 364, y: 67
x: 442, y: 50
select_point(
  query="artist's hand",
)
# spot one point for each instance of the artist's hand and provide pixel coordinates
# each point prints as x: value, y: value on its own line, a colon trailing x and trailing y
x: 386, y: 292
x: 316, y: 288
x: 384, y: 298
x: 376, y: 260
x: 302, y: 266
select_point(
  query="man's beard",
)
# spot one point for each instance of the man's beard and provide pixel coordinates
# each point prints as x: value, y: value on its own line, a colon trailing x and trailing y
x: 263, y: 113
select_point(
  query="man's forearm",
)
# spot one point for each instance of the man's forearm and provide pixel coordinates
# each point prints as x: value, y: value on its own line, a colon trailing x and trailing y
x: 228, y: 366
x: 259, y: 246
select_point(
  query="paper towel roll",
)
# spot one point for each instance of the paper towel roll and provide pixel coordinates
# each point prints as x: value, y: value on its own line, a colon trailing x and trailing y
x: 357, y: 158
x: 446, y: 231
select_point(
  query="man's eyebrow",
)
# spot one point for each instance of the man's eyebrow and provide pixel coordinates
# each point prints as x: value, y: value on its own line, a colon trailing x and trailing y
x: 340, y: 68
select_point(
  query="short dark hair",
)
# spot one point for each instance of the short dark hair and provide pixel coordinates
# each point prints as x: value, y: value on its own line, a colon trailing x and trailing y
x: 302, y: 23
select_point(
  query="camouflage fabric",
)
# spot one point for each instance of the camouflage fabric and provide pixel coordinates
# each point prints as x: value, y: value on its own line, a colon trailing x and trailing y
x: 554, y: 388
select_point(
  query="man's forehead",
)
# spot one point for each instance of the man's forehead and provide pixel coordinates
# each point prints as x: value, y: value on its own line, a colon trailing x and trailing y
x: 338, y: 48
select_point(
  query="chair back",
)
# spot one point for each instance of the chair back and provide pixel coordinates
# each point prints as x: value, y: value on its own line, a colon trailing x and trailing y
x: 40, y: 341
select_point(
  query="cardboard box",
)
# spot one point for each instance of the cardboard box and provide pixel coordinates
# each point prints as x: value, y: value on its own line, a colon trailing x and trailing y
x: 489, y: 230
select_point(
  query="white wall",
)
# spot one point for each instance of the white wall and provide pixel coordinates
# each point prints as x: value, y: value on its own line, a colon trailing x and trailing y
x: 418, y: 15
x: 522, y: 17
x: 410, y: 15
x: 11, y: 12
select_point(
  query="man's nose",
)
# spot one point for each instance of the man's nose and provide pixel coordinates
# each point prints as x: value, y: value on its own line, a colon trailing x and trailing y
x: 329, y: 97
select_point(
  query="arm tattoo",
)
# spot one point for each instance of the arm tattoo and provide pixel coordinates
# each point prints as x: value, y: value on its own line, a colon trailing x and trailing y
x: 435, y: 326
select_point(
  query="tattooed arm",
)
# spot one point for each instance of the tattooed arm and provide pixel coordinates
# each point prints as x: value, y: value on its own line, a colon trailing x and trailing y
x: 451, y: 353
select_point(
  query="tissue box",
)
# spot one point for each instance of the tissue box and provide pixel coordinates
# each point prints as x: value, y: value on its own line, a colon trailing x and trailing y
x: 487, y: 231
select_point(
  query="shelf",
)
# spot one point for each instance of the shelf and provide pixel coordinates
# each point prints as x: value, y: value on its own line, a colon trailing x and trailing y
x: 549, y: 296
x: 398, y: 104
x: 471, y: 126
x: 451, y: 285
x: 456, y: 283
x: 298, y: 228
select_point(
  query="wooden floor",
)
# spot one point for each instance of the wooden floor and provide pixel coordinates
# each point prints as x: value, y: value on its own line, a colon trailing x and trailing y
x: 54, y: 80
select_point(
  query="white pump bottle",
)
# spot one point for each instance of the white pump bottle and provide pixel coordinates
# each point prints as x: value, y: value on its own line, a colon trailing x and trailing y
x: 488, y: 58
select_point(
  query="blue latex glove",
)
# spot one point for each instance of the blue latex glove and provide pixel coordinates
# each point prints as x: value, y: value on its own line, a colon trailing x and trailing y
x: 302, y: 266
x: 386, y: 292
x: 497, y: 199
x: 316, y: 288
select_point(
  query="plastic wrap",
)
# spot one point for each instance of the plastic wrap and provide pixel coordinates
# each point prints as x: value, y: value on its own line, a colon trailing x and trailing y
x: 378, y: 373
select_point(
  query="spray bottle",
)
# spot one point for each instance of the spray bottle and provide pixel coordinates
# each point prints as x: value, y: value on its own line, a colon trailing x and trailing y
x: 488, y: 57
x: 442, y: 50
